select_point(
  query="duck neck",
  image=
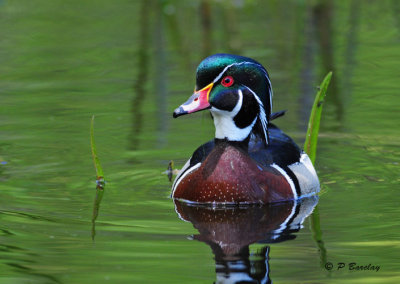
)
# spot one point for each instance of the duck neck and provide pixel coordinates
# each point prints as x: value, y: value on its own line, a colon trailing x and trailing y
x: 236, y: 124
x: 243, y: 145
x: 226, y: 128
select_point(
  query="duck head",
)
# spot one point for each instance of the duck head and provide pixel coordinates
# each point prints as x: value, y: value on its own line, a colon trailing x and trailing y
x: 238, y: 92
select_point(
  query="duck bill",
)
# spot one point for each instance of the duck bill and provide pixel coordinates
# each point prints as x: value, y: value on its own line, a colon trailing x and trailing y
x: 197, y: 102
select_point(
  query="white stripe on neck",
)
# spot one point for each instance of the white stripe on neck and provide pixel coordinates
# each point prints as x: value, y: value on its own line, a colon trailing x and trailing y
x: 225, y: 126
x: 261, y: 115
x: 270, y: 91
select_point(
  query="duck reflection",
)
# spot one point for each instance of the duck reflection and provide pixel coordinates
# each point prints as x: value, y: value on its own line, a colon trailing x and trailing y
x: 230, y: 231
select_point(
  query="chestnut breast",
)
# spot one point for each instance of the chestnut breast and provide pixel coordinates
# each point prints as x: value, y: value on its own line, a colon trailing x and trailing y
x: 229, y: 175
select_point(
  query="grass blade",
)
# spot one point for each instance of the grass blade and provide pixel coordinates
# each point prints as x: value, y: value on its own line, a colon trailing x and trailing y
x: 99, y: 170
x: 100, y: 182
x: 310, y: 146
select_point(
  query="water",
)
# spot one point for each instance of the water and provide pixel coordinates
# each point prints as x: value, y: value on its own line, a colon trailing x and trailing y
x: 130, y: 63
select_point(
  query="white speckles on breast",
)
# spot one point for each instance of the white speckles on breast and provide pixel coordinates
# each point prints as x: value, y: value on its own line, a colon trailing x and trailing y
x: 233, y: 168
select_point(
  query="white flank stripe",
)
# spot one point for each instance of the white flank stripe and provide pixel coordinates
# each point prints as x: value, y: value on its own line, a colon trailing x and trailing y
x: 182, y: 176
x: 181, y: 171
x: 306, y: 175
x: 290, y: 181
x: 304, y: 159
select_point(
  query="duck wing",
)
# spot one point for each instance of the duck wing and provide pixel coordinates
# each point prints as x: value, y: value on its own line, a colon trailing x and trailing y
x: 281, y: 150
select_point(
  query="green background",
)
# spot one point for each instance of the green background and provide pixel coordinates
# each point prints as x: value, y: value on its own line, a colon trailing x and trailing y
x: 131, y: 63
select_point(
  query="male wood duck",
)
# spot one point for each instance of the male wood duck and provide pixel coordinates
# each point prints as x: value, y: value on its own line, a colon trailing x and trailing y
x: 250, y: 160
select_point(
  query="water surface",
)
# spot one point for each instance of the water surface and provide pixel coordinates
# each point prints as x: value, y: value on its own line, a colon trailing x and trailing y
x: 130, y: 63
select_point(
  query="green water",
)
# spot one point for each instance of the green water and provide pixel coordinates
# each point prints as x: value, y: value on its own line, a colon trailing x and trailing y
x: 130, y: 63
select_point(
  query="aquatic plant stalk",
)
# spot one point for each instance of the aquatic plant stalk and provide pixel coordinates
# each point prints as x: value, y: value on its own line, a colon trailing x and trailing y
x: 100, y: 182
x: 310, y: 146
x: 99, y: 170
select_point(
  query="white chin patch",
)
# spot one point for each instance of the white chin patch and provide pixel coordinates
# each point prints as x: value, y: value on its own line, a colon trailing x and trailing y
x: 225, y: 126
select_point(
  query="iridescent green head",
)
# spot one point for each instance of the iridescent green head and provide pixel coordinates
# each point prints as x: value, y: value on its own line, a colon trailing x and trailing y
x: 245, y: 71
x: 238, y: 91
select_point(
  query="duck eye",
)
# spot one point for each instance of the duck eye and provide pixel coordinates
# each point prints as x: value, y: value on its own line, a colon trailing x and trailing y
x: 227, y: 81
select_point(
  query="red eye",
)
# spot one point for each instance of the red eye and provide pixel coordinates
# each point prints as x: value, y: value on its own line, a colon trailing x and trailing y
x: 227, y: 81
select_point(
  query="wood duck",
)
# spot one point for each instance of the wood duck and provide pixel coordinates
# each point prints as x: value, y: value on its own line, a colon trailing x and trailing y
x: 250, y: 160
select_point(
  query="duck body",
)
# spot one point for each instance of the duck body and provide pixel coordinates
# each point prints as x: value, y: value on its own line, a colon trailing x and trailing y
x: 250, y: 160
x: 227, y: 172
